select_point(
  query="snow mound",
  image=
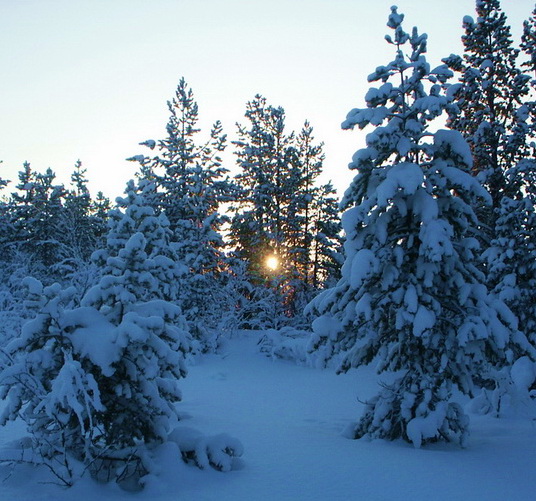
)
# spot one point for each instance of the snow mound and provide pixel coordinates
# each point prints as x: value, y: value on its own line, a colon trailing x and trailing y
x: 217, y: 451
x: 285, y: 344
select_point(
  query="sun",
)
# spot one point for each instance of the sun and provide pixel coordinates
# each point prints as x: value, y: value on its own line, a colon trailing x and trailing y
x: 272, y: 263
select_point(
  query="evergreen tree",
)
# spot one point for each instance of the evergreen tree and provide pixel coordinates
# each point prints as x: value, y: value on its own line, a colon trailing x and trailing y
x: 492, y: 90
x: 38, y: 219
x: 528, y: 111
x: 526, y: 170
x: 134, y: 215
x: 99, y: 209
x: 139, y: 284
x: 98, y: 382
x: 7, y: 315
x: 327, y: 252
x: 81, y: 238
x: 264, y: 153
x: 511, y: 256
x: 3, y: 182
x: 280, y: 209
x: 496, y: 113
x: 511, y: 259
x: 5, y: 223
x: 22, y: 206
x: 411, y: 297
x: 528, y: 43
x: 192, y: 186
x: 313, y: 231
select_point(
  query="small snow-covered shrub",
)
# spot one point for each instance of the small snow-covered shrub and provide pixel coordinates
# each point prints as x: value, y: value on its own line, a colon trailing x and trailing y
x: 285, y: 344
x: 44, y: 385
x: 260, y: 308
x: 416, y: 409
x: 217, y: 451
x: 514, y: 393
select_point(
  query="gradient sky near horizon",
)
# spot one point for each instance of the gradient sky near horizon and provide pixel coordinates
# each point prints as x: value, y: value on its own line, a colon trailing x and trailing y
x: 89, y: 79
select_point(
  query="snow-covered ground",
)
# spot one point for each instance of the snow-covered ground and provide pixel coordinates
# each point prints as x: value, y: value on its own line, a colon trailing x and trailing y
x: 290, y: 420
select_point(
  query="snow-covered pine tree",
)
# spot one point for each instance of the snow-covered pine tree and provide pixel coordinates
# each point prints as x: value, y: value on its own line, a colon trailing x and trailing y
x: 5, y: 223
x: 492, y: 90
x: 98, y: 382
x: 264, y: 152
x: 526, y: 169
x: 495, y: 111
x: 511, y: 275
x: 528, y: 42
x: 99, y: 209
x: 81, y: 236
x: 306, y: 167
x: 511, y: 256
x: 411, y: 298
x: 22, y: 203
x: 136, y: 295
x: 8, y: 314
x: 192, y: 186
x: 134, y: 214
x: 3, y: 183
x: 278, y: 213
x: 311, y: 226
x: 54, y: 394
x: 38, y: 220
x: 327, y: 245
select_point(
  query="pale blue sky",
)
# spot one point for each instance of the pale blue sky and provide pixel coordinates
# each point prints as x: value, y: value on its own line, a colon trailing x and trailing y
x: 90, y: 79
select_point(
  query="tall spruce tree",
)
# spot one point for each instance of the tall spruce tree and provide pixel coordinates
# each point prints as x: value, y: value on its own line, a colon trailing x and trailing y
x: 279, y: 211
x: 39, y: 220
x: 81, y: 237
x: 411, y: 297
x: 496, y: 114
x: 5, y: 223
x: 528, y: 42
x: 263, y: 153
x: 192, y: 185
x: 99, y: 209
x: 492, y: 90
x: 313, y: 233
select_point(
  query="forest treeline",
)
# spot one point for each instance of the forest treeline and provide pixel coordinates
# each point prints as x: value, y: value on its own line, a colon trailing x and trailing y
x: 432, y: 278
x: 253, y: 249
